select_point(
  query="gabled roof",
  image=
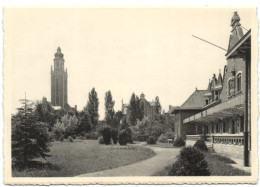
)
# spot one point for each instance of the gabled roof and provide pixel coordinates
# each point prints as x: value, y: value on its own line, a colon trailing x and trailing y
x: 196, y: 100
x: 152, y: 103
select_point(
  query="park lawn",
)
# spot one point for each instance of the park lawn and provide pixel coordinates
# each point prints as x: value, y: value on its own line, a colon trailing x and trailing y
x: 85, y: 156
x: 162, y: 145
x: 218, y: 166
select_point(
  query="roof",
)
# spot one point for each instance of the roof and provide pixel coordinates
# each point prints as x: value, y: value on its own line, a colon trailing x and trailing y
x: 196, y: 100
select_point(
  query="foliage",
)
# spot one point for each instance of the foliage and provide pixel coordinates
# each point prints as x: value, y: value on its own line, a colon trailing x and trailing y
x: 85, y: 124
x: 139, y: 108
x: 123, y: 137
x: 70, y: 123
x: 191, y: 162
x: 109, y: 107
x: 179, y: 142
x: 163, y: 138
x: 91, y: 136
x: 116, y: 119
x: 132, y: 110
x: 129, y: 135
x: 101, y: 140
x: 169, y: 134
x: 61, y: 138
x: 151, y: 140
x: 70, y: 139
x: 58, y: 130
x: 30, y: 139
x: 92, y: 108
x: 114, y: 134
x: 107, y: 135
x: 200, y: 144
x: 158, y: 107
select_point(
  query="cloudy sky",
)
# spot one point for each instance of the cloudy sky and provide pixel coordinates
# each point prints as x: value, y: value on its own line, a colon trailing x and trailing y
x: 122, y: 50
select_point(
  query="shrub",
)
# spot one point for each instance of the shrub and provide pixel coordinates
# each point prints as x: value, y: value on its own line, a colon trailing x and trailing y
x: 107, y: 135
x: 169, y: 135
x: 70, y: 139
x: 123, y: 137
x: 163, y: 139
x: 190, y: 162
x: 179, y: 142
x: 101, y: 140
x: 61, y: 138
x: 88, y: 136
x: 82, y: 137
x: 94, y: 136
x: 129, y: 135
x: 151, y: 140
x: 200, y: 144
x: 114, y: 134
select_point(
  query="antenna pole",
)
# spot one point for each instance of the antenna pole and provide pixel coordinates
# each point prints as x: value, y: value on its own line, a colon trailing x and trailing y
x: 209, y: 43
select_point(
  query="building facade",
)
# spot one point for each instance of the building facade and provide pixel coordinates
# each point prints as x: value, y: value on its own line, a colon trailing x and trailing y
x: 59, y: 78
x: 225, y: 120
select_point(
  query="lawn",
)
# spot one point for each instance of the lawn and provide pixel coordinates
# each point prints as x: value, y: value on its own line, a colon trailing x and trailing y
x: 86, y: 156
x: 163, y: 145
x: 218, y: 166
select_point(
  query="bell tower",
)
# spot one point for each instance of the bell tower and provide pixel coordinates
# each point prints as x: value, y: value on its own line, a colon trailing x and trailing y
x: 59, y: 96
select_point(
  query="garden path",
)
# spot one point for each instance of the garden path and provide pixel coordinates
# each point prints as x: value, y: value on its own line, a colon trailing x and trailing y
x: 163, y: 157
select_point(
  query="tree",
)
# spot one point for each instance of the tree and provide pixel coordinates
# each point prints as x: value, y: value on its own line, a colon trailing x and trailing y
x: 85, y: 124
x: 116, y: 119
x: 92, y: 107
x: 158, y: 107
x: 109, y: 107
x: 139, y: 109
x: 30, y: 138
x: 132, y: 110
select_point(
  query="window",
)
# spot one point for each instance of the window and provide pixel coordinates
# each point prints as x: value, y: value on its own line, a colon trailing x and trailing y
x: 216, y: 95
x: 231, y: 86
x: 238, y: 82
x: 207, y: 101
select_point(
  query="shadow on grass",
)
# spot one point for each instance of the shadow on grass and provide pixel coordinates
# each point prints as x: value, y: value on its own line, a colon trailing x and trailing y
x: 37, y: 165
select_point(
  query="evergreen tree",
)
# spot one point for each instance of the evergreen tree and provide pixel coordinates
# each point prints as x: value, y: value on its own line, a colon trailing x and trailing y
x: 132, y: 110
x: 109, y: 107
x: 92, y: 107
x: 85, y: 124
x: 30, y: 138
x: 139, y: 109
x: 158, y: 107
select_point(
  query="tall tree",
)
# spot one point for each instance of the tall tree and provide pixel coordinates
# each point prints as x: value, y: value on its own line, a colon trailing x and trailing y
x: 158, y: 107
x: 84, y: 122
x: 92, y: 108
x: 109, y: 107
x: 132, y: 110
x: 139, y: 108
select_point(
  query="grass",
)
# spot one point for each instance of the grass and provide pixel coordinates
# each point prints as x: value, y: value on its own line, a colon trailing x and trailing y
x: 163, y: 145
x: 217, y: 164
x: 80, y: 157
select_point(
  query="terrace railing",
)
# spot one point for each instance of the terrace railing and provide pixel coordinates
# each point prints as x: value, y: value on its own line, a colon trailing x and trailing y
x: 229, y: 139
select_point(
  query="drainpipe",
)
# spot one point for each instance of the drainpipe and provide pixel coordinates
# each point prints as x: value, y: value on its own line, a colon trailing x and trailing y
x: 247, y: 76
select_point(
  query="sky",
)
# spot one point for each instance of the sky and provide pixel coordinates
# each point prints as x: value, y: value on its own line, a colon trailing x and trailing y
x: 124, y: 50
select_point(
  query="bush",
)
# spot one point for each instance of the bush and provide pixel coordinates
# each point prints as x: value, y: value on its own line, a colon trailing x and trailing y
x: 101, y: 140
x: 107, y: 135
x: 151, y: 140
x: 129, y: 135
x: 169, y: 135
x: 200, y: 144
x: 190, y: 162
x: 94, y: 136
x: 82, y: 138
x: 179, y: 142
x: 70, y: 139
x: 61, y: 138
x: 114, y: 134
x: 163, y: 139
x: 123, y: 137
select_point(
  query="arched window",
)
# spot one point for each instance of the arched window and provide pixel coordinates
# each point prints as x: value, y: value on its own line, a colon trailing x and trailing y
x: 239, y: 81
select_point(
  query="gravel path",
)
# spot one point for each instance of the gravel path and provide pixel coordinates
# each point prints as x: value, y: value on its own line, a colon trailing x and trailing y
x: 163, y: 157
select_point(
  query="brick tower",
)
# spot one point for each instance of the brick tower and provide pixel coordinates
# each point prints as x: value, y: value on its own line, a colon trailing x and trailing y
x: 59, y: 89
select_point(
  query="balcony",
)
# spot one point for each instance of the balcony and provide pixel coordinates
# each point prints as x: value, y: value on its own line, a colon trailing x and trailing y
x: 223, y: 110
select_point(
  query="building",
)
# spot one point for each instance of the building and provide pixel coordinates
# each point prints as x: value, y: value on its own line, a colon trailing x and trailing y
x: 59, y: 88
x: 149, y: 108
x: 191, y: 106
x: 225, y: 120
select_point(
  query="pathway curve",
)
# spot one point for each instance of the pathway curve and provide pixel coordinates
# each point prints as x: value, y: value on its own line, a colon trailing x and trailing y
x: 163, y: 157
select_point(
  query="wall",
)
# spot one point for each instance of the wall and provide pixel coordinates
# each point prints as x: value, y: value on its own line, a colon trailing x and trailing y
x: 229, y: 150
x: 239, y: 66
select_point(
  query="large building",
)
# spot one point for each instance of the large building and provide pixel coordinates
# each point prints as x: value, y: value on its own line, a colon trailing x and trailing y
x: 59, y: 88
x: 224, y: 121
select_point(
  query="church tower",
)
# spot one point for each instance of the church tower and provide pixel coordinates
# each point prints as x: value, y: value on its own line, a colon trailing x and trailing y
x: 59, y: 89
